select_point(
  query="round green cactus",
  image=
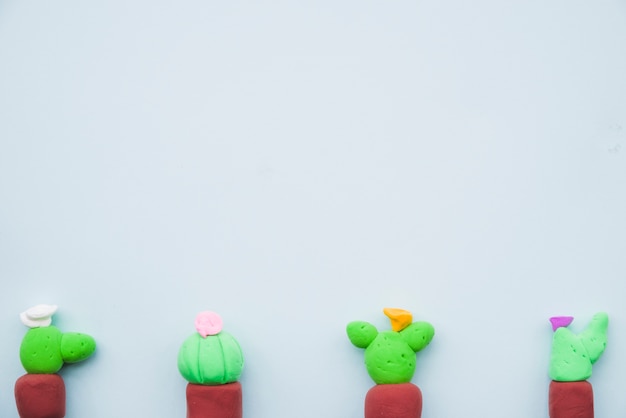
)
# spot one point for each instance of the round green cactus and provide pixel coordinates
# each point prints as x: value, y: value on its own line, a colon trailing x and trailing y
x: 210, y: 357
x: 390, y: 355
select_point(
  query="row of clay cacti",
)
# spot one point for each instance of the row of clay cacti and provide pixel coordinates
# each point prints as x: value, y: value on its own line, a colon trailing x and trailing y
x: 390, y: 363
x: 211, y: 361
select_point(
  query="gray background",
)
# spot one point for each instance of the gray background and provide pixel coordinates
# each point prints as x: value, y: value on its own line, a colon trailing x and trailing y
x: 296, y: 165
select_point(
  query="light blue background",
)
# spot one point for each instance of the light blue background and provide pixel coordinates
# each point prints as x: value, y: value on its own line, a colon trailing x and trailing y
x: 295, y: 165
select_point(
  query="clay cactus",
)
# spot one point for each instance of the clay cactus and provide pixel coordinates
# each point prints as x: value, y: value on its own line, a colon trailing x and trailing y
x: 573, y: 355
x: 43, y: 351
x: 390, y: 355
x: 571, y: 361
x: 212, y: 362
x: 390, y: 362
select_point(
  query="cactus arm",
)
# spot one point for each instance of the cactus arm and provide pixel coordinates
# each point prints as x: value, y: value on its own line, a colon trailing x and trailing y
x: 76, y: 346
x: 361, y: 333
x: 594, y: 336
x: 418, y: 335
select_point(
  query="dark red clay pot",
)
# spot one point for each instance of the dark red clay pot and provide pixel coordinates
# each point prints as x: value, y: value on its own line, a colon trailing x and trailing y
x: 403, y: 400
x: 40, y: 396
x: 571, y: 400
x: 222, y: 401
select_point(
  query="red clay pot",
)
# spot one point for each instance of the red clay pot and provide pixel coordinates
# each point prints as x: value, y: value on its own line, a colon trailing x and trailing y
x: 222, y: 401
x: 571, y: 400
x: 403, y: 400
x: 40, y: 396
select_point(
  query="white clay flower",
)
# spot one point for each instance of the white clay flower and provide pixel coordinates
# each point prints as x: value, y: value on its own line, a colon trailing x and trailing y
x: 38, y: 316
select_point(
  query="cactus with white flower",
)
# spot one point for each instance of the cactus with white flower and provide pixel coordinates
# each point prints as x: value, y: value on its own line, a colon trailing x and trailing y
x: 43, y: 352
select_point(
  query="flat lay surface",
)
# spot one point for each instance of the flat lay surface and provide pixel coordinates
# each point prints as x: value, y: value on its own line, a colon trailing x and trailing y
x: 296, y: 166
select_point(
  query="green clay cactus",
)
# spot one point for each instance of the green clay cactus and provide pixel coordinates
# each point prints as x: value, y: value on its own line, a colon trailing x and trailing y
x: 45, y: 348
x: 573, y: 355
x: 210, y: 356
x: 390, y: 355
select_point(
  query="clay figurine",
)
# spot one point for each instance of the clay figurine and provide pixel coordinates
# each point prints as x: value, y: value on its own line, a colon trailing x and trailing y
x: 390, y: 361
x: 571, y: 360
x: 41, y: 392
x: 211, y: 361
